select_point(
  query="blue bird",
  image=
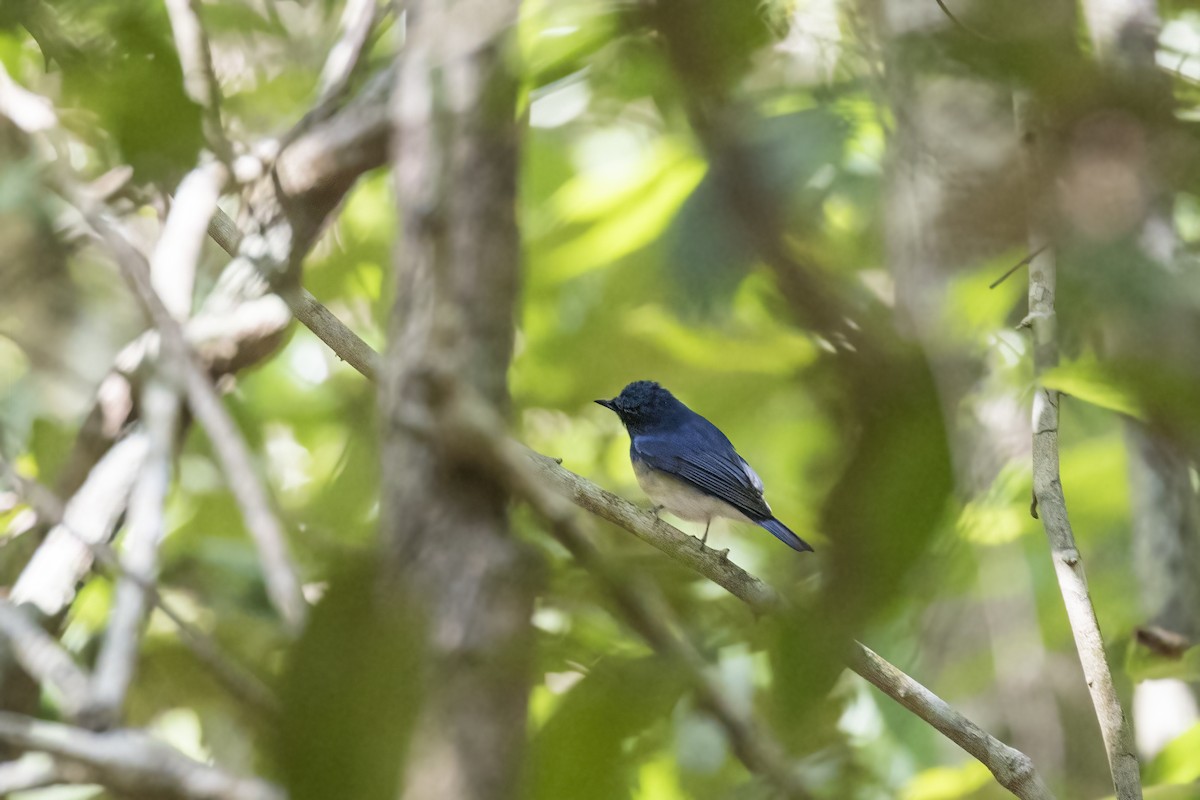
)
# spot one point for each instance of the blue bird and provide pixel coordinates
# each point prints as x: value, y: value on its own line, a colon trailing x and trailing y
x: 687, y: 466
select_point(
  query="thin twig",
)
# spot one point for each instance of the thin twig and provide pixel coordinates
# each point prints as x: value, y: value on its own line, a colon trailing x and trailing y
x: 960, y: 25
x: 359, y: 18
x: 236, y: 678
x: 1048, y: 491
x: 345, y: 343
x: 1012, y: 769
x: 132, y: 762
x: 198, y: 78
x: 1023, y: 262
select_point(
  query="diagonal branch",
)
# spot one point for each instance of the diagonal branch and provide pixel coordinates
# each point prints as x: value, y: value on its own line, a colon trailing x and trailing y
x: 359, y: 19
x: 44, y: 658
x: 1012, y: 769
x: 131, y: 762
x: 470, y: 427
x: 239, y: 681
x: 283, y: 587
x: 172, y: 273
x: 198, y: 78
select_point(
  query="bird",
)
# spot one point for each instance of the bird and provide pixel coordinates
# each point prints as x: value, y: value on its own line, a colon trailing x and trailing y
x: 686, y: 465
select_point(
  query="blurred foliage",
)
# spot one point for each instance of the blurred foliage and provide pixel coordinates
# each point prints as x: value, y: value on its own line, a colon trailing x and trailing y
x: 636, y: 266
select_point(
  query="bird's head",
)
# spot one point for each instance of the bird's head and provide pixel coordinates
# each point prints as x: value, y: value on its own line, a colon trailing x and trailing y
x: 642, y: 404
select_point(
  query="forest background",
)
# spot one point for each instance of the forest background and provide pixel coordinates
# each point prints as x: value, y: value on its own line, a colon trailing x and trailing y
x: 872, y: 240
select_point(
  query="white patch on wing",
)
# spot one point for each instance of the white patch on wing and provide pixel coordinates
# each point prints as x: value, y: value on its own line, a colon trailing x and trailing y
x: 755, y: 481
x: 682, y: 499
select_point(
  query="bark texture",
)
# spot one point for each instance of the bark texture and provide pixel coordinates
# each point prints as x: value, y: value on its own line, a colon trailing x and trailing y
x: 445, y: 527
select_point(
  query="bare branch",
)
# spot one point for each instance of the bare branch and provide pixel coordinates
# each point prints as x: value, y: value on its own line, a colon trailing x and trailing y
x: 30, y: 771
x: 283, y: 587
x: 655, y: 532
x: 131, y: 762
x: 173, y: 265
x: 345, y: 343
x: 1049, y: 498
x: 475, y: 432
x: 172, y: 275
x: 1012, y: 768
x: 49, y: 579
x: 44, y: 659
x: 358, y: 19
x: 241, y: 683
x: 198, y: 78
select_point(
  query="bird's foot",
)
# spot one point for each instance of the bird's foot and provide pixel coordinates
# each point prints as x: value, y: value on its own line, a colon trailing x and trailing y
x: 655, y: 511
x: 723, y: 555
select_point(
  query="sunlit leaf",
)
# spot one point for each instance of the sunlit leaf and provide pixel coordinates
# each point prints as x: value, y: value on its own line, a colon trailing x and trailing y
x: 1178, y: 761
x: 947, y: 783
x: 1092, y: 382
x: 579, y: 752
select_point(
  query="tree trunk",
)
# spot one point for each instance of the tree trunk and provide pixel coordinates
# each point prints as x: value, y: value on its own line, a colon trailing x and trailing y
x: 445, y: 527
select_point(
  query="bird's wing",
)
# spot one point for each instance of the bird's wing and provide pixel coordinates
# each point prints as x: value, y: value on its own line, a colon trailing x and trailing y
x: 707, y: 460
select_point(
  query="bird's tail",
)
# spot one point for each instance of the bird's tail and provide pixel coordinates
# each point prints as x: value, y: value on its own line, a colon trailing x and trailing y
x: 783, y: 534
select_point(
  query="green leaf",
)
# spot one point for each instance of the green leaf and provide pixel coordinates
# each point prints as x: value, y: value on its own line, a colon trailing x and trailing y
x: 1179, y: 761
x: 1093, y: 382
x: 579, y: 752
x: 351, y: 693
x: 947, y: 783
x: 1143, y: 664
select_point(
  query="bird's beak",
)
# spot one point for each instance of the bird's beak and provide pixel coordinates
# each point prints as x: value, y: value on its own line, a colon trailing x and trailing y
x: 609, y: 404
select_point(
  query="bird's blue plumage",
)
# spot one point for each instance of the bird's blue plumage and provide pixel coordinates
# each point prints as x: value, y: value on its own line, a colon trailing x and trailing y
x: 689, y: 464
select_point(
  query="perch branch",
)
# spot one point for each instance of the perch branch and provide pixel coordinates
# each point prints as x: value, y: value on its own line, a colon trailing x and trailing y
x: 471, y: 428
x: 1012, y: 769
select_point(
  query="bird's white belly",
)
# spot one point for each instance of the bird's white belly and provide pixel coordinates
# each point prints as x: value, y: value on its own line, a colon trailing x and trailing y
x: 681, y: 498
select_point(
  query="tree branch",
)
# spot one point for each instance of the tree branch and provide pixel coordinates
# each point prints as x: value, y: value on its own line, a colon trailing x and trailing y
x: 131, y: 762
x: 44, y: 659
x: 359, y: 18
x: 475, y: 432
x: 1012, y: 769
x: 172, y: 275
x: 1048, y: 490
x: 62, y: 560
x: 198, y: 78
x: 30, y: 771
x: 283, y: 587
